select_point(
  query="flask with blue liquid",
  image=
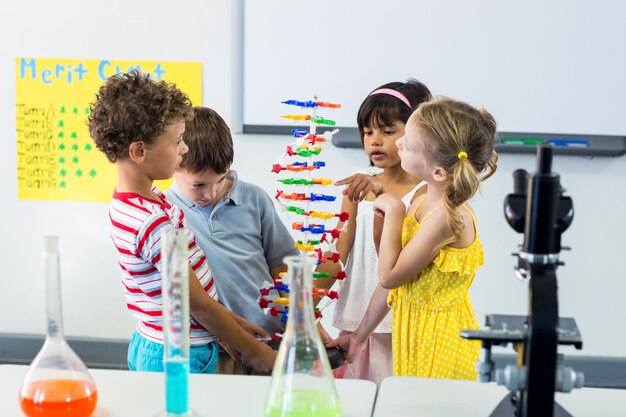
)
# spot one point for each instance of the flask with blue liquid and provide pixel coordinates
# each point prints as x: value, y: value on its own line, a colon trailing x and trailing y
x: 175, y: 297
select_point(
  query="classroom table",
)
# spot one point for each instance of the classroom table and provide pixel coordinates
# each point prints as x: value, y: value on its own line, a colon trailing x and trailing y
x: 139, y: 394
x: 409, y: 396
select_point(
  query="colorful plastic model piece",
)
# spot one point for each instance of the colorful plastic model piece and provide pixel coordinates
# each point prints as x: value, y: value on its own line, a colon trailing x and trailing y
x: 318, y: 239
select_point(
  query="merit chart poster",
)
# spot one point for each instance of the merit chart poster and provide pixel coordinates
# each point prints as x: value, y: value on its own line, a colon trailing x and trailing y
x: 56, y: 158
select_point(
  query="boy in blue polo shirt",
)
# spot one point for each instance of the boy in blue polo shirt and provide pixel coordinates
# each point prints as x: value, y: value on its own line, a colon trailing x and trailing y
x: 235, y: 223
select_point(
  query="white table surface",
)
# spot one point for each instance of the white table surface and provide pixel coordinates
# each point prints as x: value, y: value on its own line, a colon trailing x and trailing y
x: 407, y: 396
x: 138, y: 394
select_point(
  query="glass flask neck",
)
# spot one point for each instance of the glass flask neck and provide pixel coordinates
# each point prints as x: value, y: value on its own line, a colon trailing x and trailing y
x: 301, y: 317
x: 53, y: 288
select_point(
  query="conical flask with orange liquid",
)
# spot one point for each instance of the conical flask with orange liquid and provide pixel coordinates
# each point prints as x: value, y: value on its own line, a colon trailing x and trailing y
x: 58, y: 383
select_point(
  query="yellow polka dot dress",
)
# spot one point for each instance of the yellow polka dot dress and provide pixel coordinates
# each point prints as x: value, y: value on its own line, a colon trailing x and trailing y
x: 430, y: 310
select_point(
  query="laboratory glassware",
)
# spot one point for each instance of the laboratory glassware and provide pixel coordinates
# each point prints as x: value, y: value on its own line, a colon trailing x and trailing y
x: 175, y: 298
x: 302, y: 382
x: 57, y: 383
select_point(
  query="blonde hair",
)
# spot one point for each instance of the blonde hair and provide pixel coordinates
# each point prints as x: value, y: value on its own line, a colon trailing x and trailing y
x: 460, y: 139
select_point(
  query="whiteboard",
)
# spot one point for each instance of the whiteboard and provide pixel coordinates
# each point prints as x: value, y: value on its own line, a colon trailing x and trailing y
x: 554, y: 66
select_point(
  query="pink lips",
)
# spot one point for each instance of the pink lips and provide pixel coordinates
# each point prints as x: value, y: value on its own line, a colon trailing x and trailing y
x: 377, y: 155
x: 202, y: 203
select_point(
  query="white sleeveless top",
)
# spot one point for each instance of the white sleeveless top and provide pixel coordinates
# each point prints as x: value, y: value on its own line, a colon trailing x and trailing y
x: 362, y: 271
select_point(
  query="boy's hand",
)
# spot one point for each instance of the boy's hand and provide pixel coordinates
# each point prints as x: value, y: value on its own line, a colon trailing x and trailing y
x: 358, y: 186
x: 232, y: 352
x: 254, y: 329
x: 389, y: 204
x: 350, y: 344
x: 263, y: 359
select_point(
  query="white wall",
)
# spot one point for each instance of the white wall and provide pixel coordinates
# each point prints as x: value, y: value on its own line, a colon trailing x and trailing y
x: 592, y: 283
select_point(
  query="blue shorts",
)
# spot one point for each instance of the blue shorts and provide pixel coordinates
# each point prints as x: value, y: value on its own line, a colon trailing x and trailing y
x: 146, y: 355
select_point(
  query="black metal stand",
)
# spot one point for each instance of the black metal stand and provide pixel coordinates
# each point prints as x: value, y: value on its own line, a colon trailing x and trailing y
x: 539, y: 210
x: 508, y: 407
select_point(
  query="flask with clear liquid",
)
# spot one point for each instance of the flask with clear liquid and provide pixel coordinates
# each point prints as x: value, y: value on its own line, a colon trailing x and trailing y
x: 302, y: 382
x: 58, y: 383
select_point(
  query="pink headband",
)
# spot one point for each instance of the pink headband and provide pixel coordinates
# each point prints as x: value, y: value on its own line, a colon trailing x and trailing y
x: 394, y: 93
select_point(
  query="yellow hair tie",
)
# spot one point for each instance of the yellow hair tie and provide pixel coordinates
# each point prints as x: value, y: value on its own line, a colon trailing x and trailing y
x: 462, y: 155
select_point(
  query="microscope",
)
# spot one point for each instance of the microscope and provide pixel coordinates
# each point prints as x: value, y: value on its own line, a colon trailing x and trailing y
x: 538, y: 209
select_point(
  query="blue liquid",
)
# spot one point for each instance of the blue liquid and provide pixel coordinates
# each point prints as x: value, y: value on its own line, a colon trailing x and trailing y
x: 177, y: 386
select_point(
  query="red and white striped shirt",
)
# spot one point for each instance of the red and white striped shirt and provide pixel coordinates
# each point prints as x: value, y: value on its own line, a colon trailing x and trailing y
x: 136, y: 226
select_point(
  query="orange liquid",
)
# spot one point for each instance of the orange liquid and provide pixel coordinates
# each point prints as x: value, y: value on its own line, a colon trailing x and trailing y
x: 59, y: 398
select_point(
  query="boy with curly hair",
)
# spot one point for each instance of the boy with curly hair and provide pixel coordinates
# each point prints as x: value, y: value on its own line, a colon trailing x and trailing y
x: 139, y: 124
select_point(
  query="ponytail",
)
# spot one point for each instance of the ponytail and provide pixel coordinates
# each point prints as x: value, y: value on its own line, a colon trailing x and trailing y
x: 492, y: 165
x: 460, y: 185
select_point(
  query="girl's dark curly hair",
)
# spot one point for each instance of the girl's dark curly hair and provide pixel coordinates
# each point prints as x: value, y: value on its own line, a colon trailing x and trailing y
x: 132, y: 107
